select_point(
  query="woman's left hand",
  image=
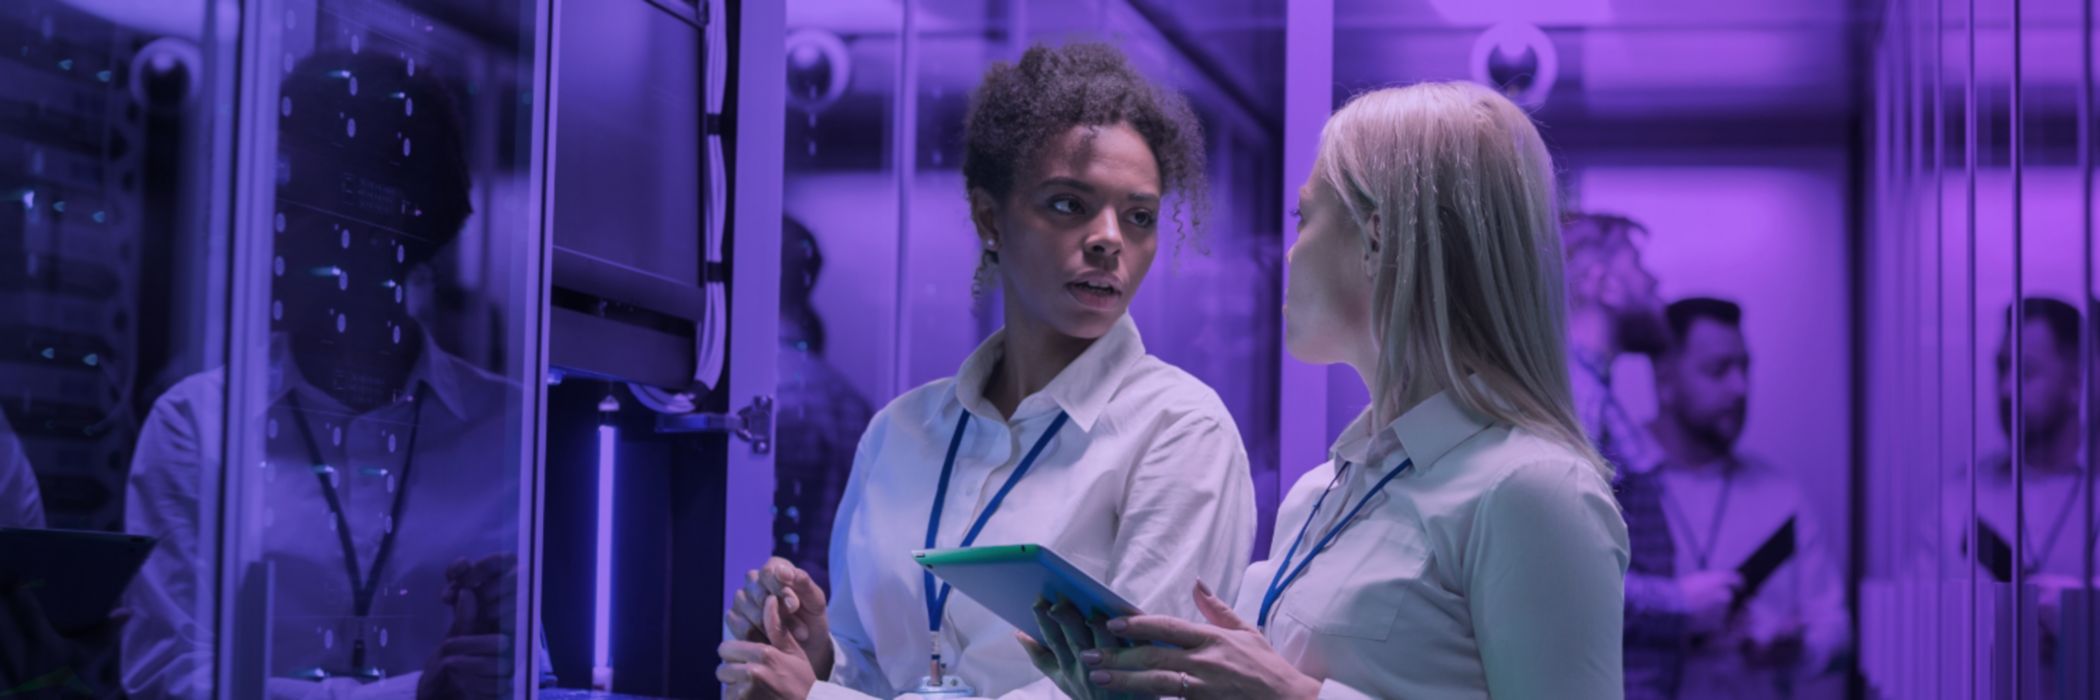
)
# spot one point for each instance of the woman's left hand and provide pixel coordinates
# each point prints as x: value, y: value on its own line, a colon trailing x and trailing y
x: 1225, y: 659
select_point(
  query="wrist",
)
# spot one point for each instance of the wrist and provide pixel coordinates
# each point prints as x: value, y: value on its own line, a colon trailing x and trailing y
x: 821, y: 658
x: 1303, y: 687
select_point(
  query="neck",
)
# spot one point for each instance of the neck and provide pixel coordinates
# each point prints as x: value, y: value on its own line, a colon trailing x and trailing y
x: 1389, y: 403
x: 322, y: 363
x: 1034, y: 355
x: 1684, y: 448
x: 1590, y: 336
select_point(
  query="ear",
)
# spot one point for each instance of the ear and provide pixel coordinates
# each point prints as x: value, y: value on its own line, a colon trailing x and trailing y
x: 984, y: 213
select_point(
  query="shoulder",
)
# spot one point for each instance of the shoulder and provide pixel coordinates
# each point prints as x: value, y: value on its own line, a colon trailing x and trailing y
x: 1158, y: 390
x: 181, y: 432
x: 200, y: 394
x: 486, y: 393
x: 1310, y: 483
x: 1774, y: 486
x: 1519, y: 469
x: 913, y: 412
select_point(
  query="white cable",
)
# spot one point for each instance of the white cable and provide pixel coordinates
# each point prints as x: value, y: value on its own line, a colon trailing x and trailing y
x: 712, y: 336
x: 663, y: 400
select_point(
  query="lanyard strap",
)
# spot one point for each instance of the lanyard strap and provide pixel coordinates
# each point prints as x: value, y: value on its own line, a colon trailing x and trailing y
x: 937, y: 603
x: 2037, y: 560
x: 362, y: 587
x: 1703, y: 553
x: 1280, y: 581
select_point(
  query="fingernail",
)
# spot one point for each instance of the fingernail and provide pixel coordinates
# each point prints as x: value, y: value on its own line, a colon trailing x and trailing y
x: 1117, y: 625
x: 1090, y: 657
x: 1205, y: 590
x: 1097, y: 678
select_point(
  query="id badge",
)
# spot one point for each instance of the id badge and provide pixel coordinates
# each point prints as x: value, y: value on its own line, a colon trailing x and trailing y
x: 949, y: 687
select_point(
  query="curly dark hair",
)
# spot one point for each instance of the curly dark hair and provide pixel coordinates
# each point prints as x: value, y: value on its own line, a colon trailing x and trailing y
x: 1021, y: 106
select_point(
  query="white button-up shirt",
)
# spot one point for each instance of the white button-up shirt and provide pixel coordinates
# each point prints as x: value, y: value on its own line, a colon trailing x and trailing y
x: 461, y: 503
x: 1146, y: 489
x: 1804, y: 594
x: 20, y: 505
x: 1492, y: 567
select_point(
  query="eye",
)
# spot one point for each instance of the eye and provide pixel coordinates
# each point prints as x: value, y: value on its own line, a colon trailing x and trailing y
x: 1143, y: 219
x: 1065, y: 205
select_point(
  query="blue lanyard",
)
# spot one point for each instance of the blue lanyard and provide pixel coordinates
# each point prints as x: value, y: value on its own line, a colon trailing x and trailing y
x: 937, y: 603
x: 1280, y: 581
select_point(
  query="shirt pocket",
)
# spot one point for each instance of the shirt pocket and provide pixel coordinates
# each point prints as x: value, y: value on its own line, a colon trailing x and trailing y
x: 1357, y: 587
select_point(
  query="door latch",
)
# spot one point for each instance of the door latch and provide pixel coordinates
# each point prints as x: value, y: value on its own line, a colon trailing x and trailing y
x: 752, y: 424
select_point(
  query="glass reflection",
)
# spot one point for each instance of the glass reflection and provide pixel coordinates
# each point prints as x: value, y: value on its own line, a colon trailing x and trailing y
x: 388, y: 488
x: 819, y: 409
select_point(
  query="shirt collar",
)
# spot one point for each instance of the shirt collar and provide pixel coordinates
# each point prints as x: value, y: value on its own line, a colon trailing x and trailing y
x: 1424, y: 434
x: 434, y: 368
x: 1082, y: 390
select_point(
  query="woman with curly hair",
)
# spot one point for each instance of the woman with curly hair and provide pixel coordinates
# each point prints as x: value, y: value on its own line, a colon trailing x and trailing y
x: 1059, y: 430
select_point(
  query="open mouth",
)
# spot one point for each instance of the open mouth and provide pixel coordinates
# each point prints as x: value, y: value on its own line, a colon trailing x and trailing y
x: 1095, y: 294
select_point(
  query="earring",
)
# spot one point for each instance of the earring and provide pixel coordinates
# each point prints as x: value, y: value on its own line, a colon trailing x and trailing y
x: 980, y: 281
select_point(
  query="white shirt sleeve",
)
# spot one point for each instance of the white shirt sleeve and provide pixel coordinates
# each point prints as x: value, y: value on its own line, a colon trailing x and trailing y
x: 854, y: 664
x: 1547, y: 555
x: 166, y: 650
x: 20, y: 503
x: 1336, y: 690
x: 1822, y: 604
x: 1194, y: 480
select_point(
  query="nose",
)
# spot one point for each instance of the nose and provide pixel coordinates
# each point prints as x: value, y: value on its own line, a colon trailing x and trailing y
x: 1106, y: 238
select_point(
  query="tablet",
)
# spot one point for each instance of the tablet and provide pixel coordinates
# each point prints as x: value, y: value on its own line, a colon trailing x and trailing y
x: 1762, y: 563
x: 1008, y: 579
x: 1994, y: 554
x: 77, y: 575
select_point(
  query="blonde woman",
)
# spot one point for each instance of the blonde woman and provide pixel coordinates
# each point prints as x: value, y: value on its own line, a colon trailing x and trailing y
x: 1463, y: 541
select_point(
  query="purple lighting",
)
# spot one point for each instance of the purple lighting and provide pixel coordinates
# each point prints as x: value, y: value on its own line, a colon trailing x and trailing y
x: 601, y: 610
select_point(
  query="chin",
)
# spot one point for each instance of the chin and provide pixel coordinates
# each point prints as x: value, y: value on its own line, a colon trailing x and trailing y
x: 1089, y: 327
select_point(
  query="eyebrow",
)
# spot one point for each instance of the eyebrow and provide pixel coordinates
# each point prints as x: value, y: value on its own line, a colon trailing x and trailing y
x: 1083, y: 186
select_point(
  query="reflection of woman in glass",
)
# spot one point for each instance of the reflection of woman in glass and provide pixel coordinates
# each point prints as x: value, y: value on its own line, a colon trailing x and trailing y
x: 387, y: 508
x: 1133, y: 469
x: 820, y: 420
x: 1463, y: 542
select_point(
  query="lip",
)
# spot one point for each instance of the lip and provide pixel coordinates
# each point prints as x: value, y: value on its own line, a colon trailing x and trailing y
x: 1096, y: 300
x: 1103, y: 279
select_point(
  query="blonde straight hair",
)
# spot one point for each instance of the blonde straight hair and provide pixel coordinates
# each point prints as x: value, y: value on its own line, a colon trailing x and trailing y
x: 1468, y: 279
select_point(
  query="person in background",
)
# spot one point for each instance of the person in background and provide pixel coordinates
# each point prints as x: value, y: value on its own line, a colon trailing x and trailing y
x: 2041, y: 542
x: 1059, y: 430
x: 21, y: 502
x: 1613, y: 309
x: 821, y: 416
x: 1723, y: 505
x: 388, y: 516
x: 30, y: 650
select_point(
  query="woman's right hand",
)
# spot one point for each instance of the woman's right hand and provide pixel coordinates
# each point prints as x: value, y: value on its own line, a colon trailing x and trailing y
x: 801, y: 601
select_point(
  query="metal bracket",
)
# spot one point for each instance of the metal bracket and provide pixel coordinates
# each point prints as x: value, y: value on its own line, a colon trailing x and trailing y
x: 752, y: 424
